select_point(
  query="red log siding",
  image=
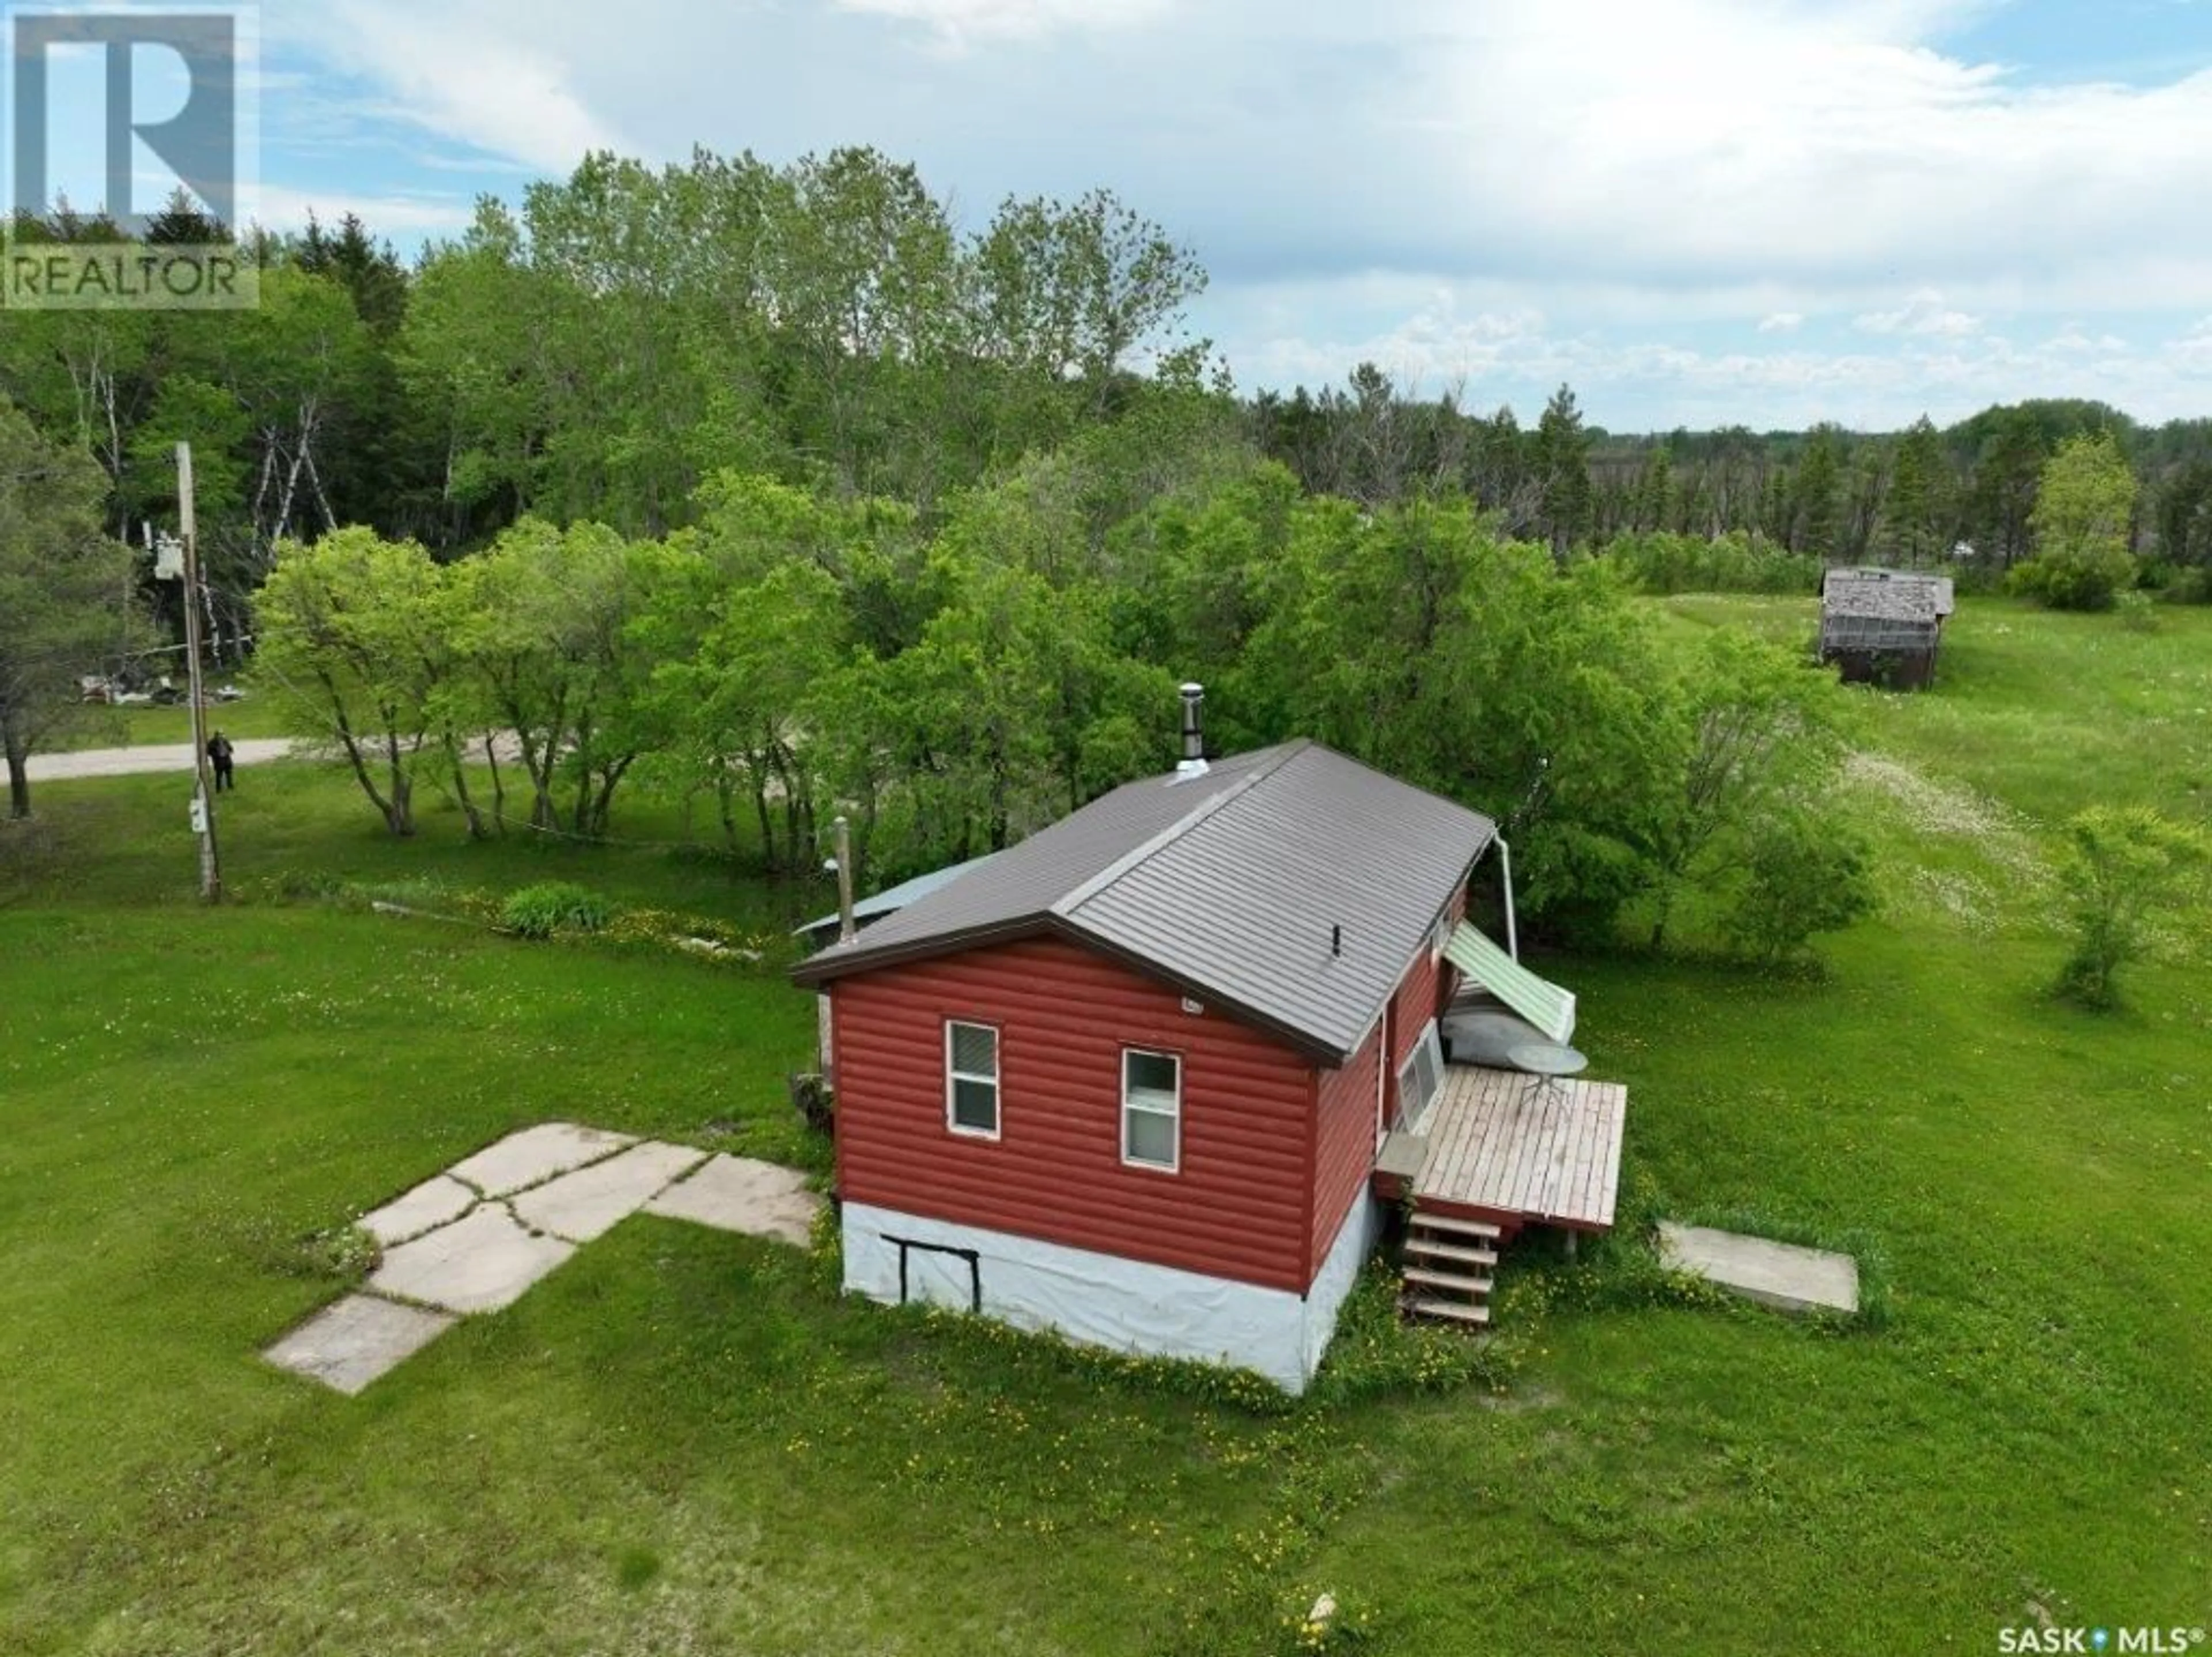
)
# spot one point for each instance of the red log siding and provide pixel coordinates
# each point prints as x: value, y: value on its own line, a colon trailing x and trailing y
x: 1448, y: 976
x: 1422, y: 994
x: 1343, y: 1143
x: 1237, y: 1209
x: 1411, y: 1009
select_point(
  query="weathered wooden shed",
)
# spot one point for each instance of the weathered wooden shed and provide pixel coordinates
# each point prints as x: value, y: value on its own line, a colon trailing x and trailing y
x: 1884, y: 626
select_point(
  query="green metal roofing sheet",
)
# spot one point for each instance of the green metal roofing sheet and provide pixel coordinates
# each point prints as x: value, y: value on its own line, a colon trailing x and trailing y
x: 1543, y: 1003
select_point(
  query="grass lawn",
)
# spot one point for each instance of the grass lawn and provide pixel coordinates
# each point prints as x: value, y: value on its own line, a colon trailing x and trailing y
x: 683, y: 1441
x: 145, y: 725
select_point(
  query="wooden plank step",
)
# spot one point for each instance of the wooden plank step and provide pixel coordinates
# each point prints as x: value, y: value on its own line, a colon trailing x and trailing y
x: 1425, y: 1306
x: 1447, y: 1280
x: 1434, y: 1251
x: 1451, y: 1227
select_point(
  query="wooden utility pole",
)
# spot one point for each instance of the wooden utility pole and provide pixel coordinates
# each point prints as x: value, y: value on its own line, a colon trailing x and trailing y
x: 204, y: 798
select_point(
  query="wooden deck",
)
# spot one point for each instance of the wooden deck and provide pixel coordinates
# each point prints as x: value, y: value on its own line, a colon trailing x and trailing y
x: 1519, y: 1149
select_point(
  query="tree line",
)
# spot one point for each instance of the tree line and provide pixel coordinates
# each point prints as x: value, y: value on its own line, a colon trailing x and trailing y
x: 616, y: 338
x: 1963, y: 495
x: 770, y: 490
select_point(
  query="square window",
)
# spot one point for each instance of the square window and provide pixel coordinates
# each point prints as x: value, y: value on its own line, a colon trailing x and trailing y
x: 1152, y: 1139
x: 976, y: 1050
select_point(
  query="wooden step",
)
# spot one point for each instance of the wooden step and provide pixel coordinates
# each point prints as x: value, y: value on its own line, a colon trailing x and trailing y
x: 1447, y: 1279
x: 1445, y: 1223
x: 1434, y: 1251
x: 1457, y: 1311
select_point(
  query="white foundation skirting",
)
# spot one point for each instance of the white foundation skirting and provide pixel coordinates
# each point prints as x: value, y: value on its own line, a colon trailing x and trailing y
x: 1105, y: 1300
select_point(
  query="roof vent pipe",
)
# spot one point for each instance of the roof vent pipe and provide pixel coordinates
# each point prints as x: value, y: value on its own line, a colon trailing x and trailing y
x: 1194, y: 732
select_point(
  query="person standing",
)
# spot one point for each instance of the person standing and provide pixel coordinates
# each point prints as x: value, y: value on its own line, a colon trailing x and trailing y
x: 222, y: 758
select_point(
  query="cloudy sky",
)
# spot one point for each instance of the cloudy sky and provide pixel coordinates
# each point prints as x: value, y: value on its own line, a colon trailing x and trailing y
x: 1696, y: 211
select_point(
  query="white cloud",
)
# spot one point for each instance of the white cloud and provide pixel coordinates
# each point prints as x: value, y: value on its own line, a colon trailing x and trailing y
x: 1632, y: 171
x: 960, y: 22
x: 466, y: 71
x: 400, y: 219
x: 1924, y: 313
x: 1632, y: 379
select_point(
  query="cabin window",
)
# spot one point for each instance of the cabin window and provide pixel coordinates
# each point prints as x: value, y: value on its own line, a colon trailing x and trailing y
x: 1151, y: 1110
x: 1419, y: 1078
x: 971, y: 1079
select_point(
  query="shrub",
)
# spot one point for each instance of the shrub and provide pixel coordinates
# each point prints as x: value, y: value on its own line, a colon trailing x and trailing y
x: 554, y: 907
x: 2190, y: 586
x: 2084, y: 578
x: 2138, y: 612
x: 1735, y: 563
x: 1802, y: 877
x: 2122, y: 866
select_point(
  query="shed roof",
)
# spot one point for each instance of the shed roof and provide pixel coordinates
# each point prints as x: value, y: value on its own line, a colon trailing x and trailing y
x: 1230, y: 885
x: 1887, y: 595
x: 891, y: 899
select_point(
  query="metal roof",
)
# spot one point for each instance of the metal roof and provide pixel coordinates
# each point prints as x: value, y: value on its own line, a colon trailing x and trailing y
x: 1230, y: 885
x: 1541, y: 1002
x: 892, y: 899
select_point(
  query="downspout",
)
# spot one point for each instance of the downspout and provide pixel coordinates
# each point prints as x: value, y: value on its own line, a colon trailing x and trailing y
x: 1512, y: 932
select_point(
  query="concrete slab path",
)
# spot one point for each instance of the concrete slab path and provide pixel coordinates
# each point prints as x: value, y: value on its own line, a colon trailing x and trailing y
x: 438, y: 1201
x: 735, y: 1193
x: 535, y: 1155
x: 351, y: 1343
x: 590, y: 1201
x: 1779, y: 1274
x: 480, y: 1263
x: 474, y: 1238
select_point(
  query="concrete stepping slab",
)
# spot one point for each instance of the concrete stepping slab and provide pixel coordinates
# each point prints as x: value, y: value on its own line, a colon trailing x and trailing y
x: 1779, y: 1274
x: 534, y: 1155
x: 436, y: 1202
x: 480, y: 1263
x: 735, y: 1193
x: 590, y: 1201
x: 350, y: 1345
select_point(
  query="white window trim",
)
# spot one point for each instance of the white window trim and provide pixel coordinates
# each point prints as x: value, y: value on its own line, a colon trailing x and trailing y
x: 1174, y: 1166
x: 953, y: 1125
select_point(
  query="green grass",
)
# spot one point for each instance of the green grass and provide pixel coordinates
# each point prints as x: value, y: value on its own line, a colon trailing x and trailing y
x: 684, y: 1441
x: 139, y: 727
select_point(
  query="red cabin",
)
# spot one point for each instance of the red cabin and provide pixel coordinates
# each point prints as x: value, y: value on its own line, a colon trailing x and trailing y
x: 1129, y: 1079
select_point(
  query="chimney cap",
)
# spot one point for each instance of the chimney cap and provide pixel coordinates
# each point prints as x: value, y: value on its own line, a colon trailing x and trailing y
x: 1193, y: 732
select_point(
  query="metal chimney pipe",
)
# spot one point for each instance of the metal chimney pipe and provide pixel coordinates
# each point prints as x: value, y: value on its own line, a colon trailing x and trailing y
x: 847, y: 931
x: 1193, y: 731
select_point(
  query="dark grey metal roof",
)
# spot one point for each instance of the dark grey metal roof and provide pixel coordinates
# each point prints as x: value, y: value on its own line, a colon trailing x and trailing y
x: 1229, y: 885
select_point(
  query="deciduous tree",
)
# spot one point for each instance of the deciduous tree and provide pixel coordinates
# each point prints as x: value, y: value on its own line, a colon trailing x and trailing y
x: 65, y: 592
x: 2084, y: 512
